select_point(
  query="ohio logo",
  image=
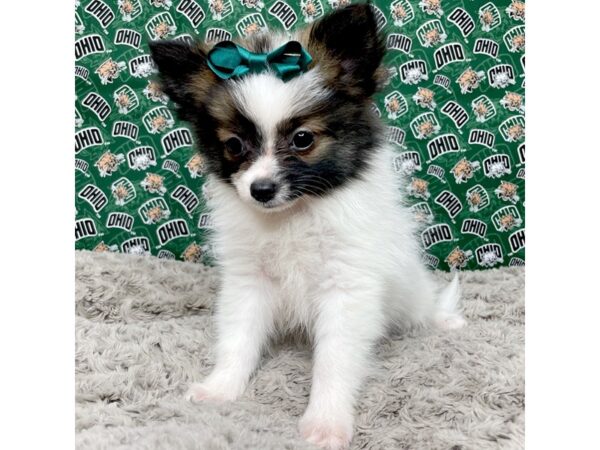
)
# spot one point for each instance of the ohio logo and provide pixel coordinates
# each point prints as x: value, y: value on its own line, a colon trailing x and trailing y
x: 463, y: 21
x: 514, y: 39
x: 507, y: 218
x: 442, y: 80
x: 411, y: 72
x: 205, y: 221
x: 517, y: 240
x: 489, y: 17
x: 501, y: 76
x: 516, y: 262
x: 395, y: 105
x: 161, y: 26
x: 141, y: 158
x: 128, y: 37
x: 122, y: 191
x: 425, y: 126
x: 497, y: 165
x: 94, y: 196
x: 214, y: 35
x: 82, y: 166
x: 253, y: 4
x: 380, y: 19
x: 136, y: 245
x: 171, y: 166
x: 447, y: 54
x: 450, y: 203
x: 456, y: 113
x: 186, y: 198
x: 477, y: 198
x: 174, y: 140
x: 95, y: 103
x: 79, y: 26
x: 165, y: 254
x: 483, y: 108
x: 125, y: 129
x: 475, y: 227
x: 185, y: 38
x: 158, y: 120
x: 422, y: 213
x: 431, y: 33
x: 119, y: 220
x: 129, y: 9
x: 88, y: 45
x: 252, y: 23
x: 87, y: 137
x: 521, y: 151
x: 399, y: 42
x: 220, y: 8
x: 311, y: 10
x: 85, y: 228
x: 154, y: 211
x: 101, y: 12
x: 82, y: 72
x: 441, y: 145
x: 172, y: 229
x: 482, y: 137
x: 396, y: 135
x: 513, y: 129
x: 488, y: 255
x: 141, y: 66
x: 431, y: 260
x: 436, y: 234
x: 437, y: 172
x: 407, y: 163
x: 192, y: 11
x: 125, y: 99
x: 402, y: 12
x: 486, y: 47
x: 284, y: 13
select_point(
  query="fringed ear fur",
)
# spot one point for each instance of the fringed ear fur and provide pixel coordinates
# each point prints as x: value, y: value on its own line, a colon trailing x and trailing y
x: 350, y: 49
x: 183, y: 71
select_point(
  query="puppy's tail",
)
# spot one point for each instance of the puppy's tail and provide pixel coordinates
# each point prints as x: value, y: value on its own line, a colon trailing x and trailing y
x: 448, y: 314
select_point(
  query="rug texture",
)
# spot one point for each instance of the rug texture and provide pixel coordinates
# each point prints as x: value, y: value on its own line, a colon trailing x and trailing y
x: 144, y: 331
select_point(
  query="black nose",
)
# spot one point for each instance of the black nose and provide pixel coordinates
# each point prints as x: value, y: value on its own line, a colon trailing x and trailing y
x: 263, y: 190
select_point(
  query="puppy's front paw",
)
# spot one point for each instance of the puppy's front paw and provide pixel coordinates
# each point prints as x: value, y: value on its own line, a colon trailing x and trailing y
x: 199, y: 392
x: 326, y: 434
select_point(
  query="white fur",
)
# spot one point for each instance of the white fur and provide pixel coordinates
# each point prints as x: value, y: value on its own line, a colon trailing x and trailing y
x: 344, y: 268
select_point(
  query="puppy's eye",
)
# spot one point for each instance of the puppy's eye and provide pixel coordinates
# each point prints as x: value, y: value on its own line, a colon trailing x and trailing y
x: 234, y: 146
x: 302, y: 140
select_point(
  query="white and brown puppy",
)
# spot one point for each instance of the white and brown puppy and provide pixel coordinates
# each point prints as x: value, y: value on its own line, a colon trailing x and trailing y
x: 310, y: 230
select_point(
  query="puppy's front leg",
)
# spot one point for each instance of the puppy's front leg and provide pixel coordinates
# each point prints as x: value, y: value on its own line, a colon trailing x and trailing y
x: 243, y: 321
x: 347, y: 326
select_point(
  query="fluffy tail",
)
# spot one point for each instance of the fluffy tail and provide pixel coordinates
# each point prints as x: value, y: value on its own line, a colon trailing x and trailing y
x: 448, y: 314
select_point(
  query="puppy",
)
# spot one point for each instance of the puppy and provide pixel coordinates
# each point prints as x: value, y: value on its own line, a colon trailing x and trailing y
x: 310, y: 232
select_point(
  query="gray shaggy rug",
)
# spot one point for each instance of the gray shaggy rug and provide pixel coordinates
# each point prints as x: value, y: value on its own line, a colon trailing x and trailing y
x: 144, y: 331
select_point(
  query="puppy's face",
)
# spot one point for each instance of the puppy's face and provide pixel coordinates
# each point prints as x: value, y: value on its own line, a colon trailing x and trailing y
x: 276, y: 141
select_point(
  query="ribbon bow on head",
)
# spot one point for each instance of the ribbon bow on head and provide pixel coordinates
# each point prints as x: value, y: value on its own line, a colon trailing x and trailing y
x: 227, y: 60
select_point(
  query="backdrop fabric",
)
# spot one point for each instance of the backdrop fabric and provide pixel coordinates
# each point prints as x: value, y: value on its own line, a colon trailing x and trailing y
x: 453, y: 107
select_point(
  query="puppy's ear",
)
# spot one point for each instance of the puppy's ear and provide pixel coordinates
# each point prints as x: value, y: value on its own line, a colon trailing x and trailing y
x: 348, y: 38
x: 184, y: 74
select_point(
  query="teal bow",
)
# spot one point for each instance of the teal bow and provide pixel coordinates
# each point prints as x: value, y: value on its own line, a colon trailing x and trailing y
x: 227, y: 60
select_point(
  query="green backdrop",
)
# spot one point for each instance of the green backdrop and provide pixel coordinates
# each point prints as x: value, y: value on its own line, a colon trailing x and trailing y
x: 454, y: 106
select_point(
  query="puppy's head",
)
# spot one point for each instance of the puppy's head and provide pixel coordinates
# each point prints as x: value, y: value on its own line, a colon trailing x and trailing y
x: 276, y: 141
